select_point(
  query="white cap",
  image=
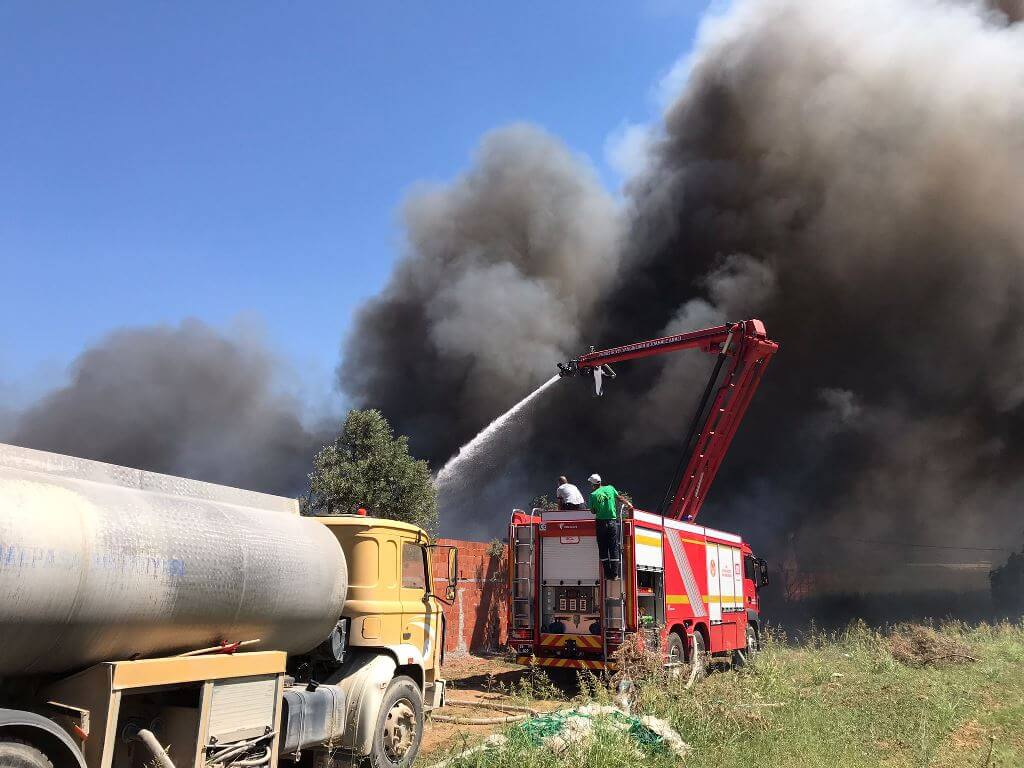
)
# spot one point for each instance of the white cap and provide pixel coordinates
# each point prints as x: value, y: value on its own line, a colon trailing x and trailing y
x: 594, y: 479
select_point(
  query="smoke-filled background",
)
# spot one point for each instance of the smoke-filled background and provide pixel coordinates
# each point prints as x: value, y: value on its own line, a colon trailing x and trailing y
x: 852, y: 173
x: 185, y: 400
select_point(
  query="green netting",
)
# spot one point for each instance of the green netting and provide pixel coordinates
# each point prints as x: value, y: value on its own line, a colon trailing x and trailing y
x: 540, y: 728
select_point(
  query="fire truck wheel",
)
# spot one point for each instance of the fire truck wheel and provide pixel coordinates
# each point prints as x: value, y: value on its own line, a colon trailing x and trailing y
x: 744, y: 657
x: 676, y: 653
x: 753, y: 643
x: 699, y: 654
x: 399, y: 731
x: 18, y: 754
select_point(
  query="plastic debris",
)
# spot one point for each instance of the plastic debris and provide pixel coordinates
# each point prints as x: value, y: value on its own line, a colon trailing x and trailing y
x: 558, y: 731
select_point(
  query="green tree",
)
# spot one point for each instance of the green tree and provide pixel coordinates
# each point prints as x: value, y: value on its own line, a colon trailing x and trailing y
x: 367, y: 466
x: 542, y: 501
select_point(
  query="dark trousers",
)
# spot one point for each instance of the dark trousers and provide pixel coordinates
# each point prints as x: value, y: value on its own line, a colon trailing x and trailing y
x: 567, y: 505
x: 608, y: 547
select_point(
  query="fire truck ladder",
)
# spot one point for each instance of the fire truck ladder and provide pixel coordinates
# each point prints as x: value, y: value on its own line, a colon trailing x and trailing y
x: 614, y: 619
x: 522, y: 582
x: 743, y: 350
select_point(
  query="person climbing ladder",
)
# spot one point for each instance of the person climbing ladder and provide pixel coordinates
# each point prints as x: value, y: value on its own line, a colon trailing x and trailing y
x: 604, y: 503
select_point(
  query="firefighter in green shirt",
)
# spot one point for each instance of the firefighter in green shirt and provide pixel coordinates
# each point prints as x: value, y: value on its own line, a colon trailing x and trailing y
x: 604, y: 503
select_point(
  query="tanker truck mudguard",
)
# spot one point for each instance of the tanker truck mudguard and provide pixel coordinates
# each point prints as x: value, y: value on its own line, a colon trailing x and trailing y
x: 687, y: 591
x: 155, y: 620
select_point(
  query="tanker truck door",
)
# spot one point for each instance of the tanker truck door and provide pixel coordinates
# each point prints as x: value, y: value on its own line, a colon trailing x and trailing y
x: 417, y: 612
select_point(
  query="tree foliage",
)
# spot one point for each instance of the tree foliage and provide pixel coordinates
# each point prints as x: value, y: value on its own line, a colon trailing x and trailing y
x: 542, y: 501
x: 368, y: 466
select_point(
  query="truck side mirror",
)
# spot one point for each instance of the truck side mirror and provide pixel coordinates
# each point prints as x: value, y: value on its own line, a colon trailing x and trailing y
x: 762, y: 566
x: 453, y: 573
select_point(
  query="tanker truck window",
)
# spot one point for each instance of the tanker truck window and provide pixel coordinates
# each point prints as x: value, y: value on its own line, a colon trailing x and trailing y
x: 414, y: 566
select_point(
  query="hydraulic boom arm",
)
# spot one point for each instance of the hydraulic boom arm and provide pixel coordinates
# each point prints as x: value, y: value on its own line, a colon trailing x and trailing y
x: 743, y: 350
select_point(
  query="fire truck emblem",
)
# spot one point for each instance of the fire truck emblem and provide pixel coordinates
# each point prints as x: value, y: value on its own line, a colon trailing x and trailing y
x: 712, y: 567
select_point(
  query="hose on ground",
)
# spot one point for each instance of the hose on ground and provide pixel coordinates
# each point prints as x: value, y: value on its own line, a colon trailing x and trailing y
x: 148, y: 738
x: 522, y: 713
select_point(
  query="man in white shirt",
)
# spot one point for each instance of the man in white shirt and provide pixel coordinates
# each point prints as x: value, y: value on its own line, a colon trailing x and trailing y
x: 568, y: 495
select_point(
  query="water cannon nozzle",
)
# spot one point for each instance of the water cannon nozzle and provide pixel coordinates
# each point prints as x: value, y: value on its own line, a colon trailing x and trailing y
x: 571, y: 368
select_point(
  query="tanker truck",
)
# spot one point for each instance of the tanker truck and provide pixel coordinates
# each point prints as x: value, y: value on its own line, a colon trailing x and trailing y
x: 151, y: 620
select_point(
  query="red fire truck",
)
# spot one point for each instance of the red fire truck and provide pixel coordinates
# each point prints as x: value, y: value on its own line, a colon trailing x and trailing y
x: 688, y: 590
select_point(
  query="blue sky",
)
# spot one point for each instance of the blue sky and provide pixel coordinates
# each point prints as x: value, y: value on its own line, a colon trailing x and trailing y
x: 244, y: 162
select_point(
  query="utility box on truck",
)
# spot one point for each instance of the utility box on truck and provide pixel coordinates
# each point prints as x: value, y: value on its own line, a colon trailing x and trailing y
x: 145, y: 618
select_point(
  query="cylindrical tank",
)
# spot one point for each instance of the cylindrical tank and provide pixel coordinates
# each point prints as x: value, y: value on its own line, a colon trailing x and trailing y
x: 103, y: 563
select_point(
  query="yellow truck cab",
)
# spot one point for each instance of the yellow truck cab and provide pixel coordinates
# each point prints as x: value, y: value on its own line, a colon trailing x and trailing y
x: 395, y: 626
x: 391, y: 602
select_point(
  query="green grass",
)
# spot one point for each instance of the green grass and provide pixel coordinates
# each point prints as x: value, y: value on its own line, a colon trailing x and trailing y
x: 832, y: 701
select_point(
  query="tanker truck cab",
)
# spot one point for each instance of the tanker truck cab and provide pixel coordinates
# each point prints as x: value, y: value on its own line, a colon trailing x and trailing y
x: 392, y: 607
x: 393, y: 636
x: 155, y: 621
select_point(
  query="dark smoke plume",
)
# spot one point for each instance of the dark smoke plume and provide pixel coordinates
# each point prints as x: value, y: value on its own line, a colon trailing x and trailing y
x: 868, y: 158
x: 850, y: 172
x: 502, y: 270
x: 1013, y: 10
x: 183, y: 400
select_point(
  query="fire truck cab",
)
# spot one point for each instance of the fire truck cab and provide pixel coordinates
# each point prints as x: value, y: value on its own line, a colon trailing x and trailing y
x: 688, y: 590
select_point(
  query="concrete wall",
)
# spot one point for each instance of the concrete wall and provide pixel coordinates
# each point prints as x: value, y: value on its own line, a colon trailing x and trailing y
x: 478, y: 620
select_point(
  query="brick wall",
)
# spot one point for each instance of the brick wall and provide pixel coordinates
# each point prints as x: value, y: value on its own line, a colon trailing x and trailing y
x: 478, y: 620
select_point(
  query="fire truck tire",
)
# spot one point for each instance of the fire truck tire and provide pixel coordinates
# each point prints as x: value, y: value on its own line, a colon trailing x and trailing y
x: 753, y: 642
x: 18, y: 754
x: 399, y: 731
x: 699, y: 654
x: 741, y: 659
x: 676, y: 652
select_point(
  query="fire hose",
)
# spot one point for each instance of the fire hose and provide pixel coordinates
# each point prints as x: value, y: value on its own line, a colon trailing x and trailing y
x: 521, y: 714
x: 148, y: 738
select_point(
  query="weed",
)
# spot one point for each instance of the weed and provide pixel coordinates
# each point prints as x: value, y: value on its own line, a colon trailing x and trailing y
x: 496, y: 549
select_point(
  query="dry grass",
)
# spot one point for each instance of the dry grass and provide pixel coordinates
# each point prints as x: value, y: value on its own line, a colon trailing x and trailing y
x: 916, y: 646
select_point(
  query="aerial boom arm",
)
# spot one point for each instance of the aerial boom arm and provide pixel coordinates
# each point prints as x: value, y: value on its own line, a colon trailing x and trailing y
x: 743, y: 351
x: 709, y: 340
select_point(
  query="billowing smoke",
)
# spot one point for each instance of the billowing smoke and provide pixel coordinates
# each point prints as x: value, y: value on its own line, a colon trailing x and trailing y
x: 183, y: 400
x: 850, y: 172
x: 866, y: 157
x: 503, y: 270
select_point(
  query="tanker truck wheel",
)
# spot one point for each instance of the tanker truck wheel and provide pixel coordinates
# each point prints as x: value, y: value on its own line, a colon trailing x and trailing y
x: 18, y: 754
x: 399, y: 731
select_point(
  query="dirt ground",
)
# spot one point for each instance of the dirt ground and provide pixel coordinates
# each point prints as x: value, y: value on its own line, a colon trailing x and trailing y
x: 474, y: 678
